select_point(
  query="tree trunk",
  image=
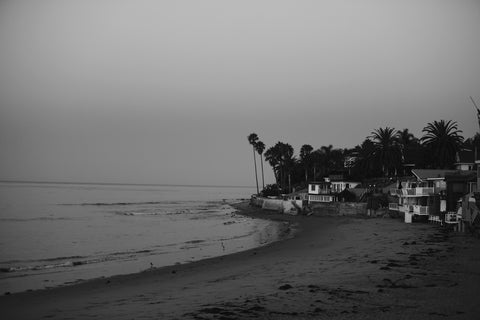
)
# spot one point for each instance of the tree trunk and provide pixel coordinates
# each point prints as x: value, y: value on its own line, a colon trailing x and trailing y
x: 289, y: 183
x: 263, y: 177
x: 255, y: 163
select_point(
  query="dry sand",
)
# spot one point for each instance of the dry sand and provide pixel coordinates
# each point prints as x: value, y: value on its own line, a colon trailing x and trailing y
x: 334, y: 268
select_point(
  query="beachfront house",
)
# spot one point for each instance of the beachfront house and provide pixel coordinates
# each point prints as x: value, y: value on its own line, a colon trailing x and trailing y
x: 427, y: 194
x: 469, y: 211
x: 339, y: 183
x: 320, y: 191
x: 329, y: 189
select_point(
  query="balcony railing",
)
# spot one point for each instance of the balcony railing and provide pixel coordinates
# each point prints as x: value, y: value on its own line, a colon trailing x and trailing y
x: 412, y: 192
x: 320, y: 198
x: 415, y: 209
x: 393, y: 206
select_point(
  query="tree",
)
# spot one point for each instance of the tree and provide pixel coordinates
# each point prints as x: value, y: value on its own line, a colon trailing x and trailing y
x: 443, y: 140
x: 305, y: 158
x: 387, y: 151
x: 280, y: 157
x: 472, y: 143
x: 405, y: 138
x: 411, y: 150
x: 253, y: 139
x: 317, y: 158
x: 327, y: 157
x: 366, y: 166
x: 260, y: 147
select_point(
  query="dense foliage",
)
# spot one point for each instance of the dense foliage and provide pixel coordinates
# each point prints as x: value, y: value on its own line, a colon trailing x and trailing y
x: 386, y: 152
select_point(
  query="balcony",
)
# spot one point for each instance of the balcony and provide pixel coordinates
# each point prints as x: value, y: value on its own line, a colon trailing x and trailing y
x: 320, y: 198
x: 393, y: 206
x: 412, y: 192
x: 415, y: 209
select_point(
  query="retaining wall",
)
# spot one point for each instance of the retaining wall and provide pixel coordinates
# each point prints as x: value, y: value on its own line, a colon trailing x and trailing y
x: 278, y: 205
x: 339, y: 209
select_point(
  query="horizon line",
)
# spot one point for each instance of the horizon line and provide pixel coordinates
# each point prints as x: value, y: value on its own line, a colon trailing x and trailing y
x: 121, y: 184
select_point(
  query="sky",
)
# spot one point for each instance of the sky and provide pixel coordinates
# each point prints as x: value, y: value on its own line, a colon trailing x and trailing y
x: 166, y: 92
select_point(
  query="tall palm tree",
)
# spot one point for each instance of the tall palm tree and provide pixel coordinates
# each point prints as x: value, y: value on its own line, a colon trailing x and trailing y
x: 305, y: 158
x: 387, y: 151
x: 253, y: 139
x: 260, y: 147
x: 443, y: 139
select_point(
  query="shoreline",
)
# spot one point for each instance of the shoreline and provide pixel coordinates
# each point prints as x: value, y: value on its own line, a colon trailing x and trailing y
x: 334, y: 267
x: 240, y: 233
x: 285, y: 231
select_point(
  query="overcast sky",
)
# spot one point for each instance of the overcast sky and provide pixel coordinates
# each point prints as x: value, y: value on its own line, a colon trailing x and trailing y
x: 168, y: 91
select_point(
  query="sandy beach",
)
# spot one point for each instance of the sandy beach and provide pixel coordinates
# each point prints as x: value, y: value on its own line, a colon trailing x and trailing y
x: 332, y: 268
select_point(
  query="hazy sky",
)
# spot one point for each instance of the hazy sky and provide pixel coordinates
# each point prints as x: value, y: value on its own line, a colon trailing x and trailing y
x: 168, y: 91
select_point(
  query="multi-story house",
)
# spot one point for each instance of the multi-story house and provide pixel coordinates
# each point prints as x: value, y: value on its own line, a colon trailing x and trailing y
x: 426, y: 194
x: 329, y: 189
x: 320, y: 192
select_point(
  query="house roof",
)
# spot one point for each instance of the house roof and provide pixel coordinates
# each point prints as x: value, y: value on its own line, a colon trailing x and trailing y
x: 318, y: 182
x: 462, y: 176
x: 431, y: 174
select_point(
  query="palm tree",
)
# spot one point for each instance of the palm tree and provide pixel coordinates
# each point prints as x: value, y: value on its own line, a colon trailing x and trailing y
x: 317, y: 158
x: 472, y: 143
x: 365, y: 166
x: 443, y: 139
x: 253, y: 139
x: 411, y: 149
x: 405, y: 138
x: 327, y: 158
x: 260, y: 147
x: 280, y: 157
x: 387, y: 151
x: 305, y: 158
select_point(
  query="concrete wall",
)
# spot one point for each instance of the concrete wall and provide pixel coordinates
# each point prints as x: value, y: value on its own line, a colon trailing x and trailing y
x: 283, y: 206
x: 292, y: 206
x: 273, y: 204
x: 319, y: 208
x: 258, y: 202
x: 278, y: 205
x: 339, y: 209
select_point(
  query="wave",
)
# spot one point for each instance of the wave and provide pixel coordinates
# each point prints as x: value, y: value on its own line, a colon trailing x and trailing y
x: 57, y: 263
x: 99, y: 204
x: 36, y: 219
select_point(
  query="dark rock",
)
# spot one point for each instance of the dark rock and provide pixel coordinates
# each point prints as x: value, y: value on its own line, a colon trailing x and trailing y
x: 285, y: 287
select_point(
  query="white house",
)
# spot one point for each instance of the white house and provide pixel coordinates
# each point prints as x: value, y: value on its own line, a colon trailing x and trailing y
x: 338, y: 183
x: 320, y: 192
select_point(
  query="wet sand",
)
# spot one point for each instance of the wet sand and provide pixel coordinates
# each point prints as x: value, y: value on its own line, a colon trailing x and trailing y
x: 333, y: 268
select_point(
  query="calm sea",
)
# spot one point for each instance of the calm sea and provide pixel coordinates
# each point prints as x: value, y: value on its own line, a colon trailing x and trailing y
x: 56, y: 234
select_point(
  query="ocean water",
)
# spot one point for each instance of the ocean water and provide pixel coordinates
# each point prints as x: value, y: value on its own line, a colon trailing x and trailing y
x: 57, y: 234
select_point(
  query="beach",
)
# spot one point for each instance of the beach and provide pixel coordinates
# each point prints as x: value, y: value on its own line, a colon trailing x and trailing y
x: 331, y: 268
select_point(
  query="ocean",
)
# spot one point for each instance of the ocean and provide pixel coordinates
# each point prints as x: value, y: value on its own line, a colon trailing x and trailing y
x: 54, y: 234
